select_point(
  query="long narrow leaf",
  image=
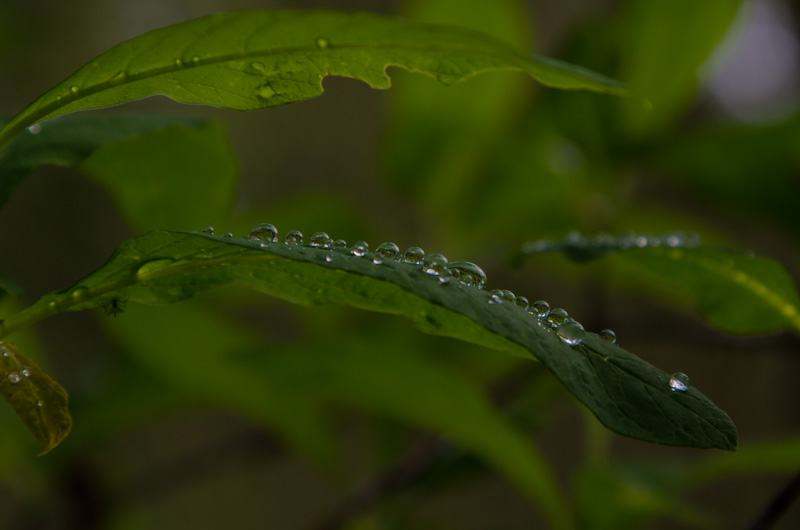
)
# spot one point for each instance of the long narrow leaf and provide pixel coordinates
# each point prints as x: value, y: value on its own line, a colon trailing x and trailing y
x: 627, y: 394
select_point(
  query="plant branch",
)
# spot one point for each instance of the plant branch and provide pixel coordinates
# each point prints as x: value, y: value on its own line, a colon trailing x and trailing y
x: 778, y: 506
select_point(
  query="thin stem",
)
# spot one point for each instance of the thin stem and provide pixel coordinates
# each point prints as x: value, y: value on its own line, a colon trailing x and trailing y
x: 778, y: 506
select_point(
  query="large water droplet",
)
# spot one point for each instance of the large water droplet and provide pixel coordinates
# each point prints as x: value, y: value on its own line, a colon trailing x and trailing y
x: 360, y: 248
x: 608, y: 336
x: 496, y: 296
x: 320, y: 240
x: 36, y: 128
x: 557, y: 316
x: 434, y: 264
x: 679, y: 382
x: 264, y: 232
x: 387, y: 251
x: 508, y: 296
x: 14, y: 377
x: 540, y: 308
x: 414, y: 255
x: 340, y: 243
x: 571, y: 332
x: 522, y: 302
x: 80, y: 293
x: 322, y: 43
x: 154, y: 264
x: 293, y: 237
x: 467, y: 273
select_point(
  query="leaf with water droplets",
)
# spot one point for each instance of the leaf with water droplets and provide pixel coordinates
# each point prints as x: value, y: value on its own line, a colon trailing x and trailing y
x: 36, y: 398
x: 627, y: 394
x: 256, y: 59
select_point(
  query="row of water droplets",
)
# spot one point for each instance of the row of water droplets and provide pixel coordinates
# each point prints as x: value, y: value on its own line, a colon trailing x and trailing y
x: 554, y: 320
x: 606, y: 241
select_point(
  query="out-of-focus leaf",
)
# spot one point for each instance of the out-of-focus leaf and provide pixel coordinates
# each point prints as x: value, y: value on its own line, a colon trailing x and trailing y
x: 38, y: 400
x: 178, y: 177
x: 68, y: 140
x: 774, y: 456
x: 738, y: 293
x: 610, y: 499
x: 256, y: 59
x: 664, y: 42
x: 627, y: 395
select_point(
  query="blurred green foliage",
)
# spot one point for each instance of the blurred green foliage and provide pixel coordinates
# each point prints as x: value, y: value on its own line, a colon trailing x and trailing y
x: 472, y: 171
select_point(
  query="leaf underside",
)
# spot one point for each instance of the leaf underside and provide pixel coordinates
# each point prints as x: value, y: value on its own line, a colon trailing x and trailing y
x: 626, y: 394
x: 36, y: 398
x: 255, y: 59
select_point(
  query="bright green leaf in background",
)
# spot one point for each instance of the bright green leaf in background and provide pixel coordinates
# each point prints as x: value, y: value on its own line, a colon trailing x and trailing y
x: 627, y: 395
x: 256, y: 59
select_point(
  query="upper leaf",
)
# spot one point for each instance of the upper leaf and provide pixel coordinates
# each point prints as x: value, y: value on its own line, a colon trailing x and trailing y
x: 255, y: 59
x: 627, y: 394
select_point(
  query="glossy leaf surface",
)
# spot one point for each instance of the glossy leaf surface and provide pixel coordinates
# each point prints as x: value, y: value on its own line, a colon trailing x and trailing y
x: 627, y: 395
x: 256, y: 59
x: 36, y: 398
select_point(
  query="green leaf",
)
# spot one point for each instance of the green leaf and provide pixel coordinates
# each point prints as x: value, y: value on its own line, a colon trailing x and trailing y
x: 70, y: 139
x: 151, y: 176
x: 737, y: 292
x: 285, y: 388
x: 627, y: 395
x: 256, y: 59
x: 37, y: 399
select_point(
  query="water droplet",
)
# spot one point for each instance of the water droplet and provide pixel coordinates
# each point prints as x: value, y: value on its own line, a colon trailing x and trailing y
x: 36, y: 128
x: 80, y: 293
x: 377, y: 260
x: 571, y: 332
x: 329, y: 257
x: 264, y: 232
x: 557, y: 317
x: 340, y: 243
x: 496, y: 296
x: 522, y: 302
x: 540, y: 308
x: 178, y: 63
x: 265, y: 91
x: 679, y: 382
x: 387, y: 251
x: 74, y: 89
x: 468, y: 273
x: 196, y: 60
x: 508, y: 296
x: 322, y: 43
x: 360, y: 248
x: 227, y: 234
x: 25, y: 372
x: 259, y: 67
x: 434, y: 264
x: 40, y: 403
x: 445, y: 276
x: 608, y: 336
x: 320, y: 240
x: 152, y: 265
x: 414, y: 255
x: 293, y: 237
x: 641, y: 241
x: 14, y: 377
x: 209, y: 231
